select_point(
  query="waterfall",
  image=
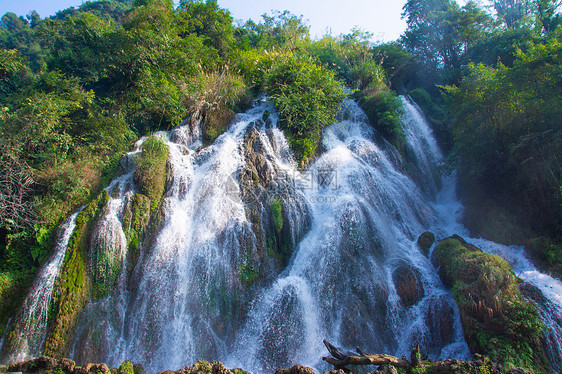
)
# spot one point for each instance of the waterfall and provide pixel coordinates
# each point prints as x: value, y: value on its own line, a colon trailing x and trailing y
x: 256, y: 261
x: 31, y: 325
x: 366, y: 217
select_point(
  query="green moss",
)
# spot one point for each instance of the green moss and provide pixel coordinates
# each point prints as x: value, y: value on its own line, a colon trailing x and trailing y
x: 150, y: 175
x: 126, y: 368
x: 497, y: 320
x: 74, y: 285
x: 277, y: 214
x: 255, y: 178
x: 136, y: 221
x: 248, y: 272
x: 105, y: 269
x: 13, y: 289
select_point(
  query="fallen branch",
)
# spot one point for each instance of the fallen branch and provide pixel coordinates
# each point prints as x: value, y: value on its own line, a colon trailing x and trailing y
x: 340, y: 359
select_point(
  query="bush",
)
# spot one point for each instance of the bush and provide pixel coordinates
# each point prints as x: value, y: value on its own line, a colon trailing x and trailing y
x: 307, y: 98
x: 383, y: 110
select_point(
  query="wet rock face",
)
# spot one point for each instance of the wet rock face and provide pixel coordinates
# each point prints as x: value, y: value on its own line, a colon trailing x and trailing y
x: 257, y: 169
x: 407, y: 281
x: 439, y: 318
x: 279, y: 217
x: 425, y: 241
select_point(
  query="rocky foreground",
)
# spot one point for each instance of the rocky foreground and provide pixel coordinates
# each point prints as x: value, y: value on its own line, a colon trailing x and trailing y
x: 47, y: 365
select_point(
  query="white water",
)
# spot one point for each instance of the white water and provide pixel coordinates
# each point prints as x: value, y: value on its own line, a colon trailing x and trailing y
x: 361, y: 213
x: 31, y: 328
x: 339, y: 284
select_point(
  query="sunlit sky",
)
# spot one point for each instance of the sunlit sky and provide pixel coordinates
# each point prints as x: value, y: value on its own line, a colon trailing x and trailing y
x: 380, y: 17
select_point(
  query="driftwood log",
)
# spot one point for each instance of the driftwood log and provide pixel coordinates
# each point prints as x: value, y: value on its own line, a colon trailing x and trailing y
x: 340, y: 359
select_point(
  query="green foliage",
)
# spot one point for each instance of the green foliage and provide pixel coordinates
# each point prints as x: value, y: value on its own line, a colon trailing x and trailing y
x: 277, y: 214
x: 397, y: 63
x: 74, y: 285
x: 126, y: 368
x: 307, y: 98
x: 208, y: 21
x: 547, y: 252
x: 383, y: 109
x: 439, y: 31
x: 497, y: 321
x: 150, y: 175
x: 280, y: 31
x: 508, y: 135
x: 248, y: 270
x: 14, y: 72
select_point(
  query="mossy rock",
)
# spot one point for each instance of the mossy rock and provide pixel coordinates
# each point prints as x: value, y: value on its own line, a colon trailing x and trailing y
x: 277, y: 214
x: 13, y: 289
x: 74, y: 285
x: 216, y: 122
x: 126, y: 368
x: 497, y: 320
x: 425, y: 241
x: 150, y: 175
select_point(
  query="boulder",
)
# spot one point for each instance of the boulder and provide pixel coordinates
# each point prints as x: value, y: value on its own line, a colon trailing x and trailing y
x: 386, y: 369
x: 407, y: 281
x: 425, y: 241
x: 297, y: 369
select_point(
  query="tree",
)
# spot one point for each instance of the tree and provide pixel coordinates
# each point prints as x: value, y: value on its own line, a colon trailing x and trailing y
x: 507, y: 132
x: 547, y: 14
x: 307, y: 98
x: 439, y: 32
x: 12, y: 22
x: 512, y: 12
x: 16, y: 180
x: 282, y: 30
x: 209, y: 21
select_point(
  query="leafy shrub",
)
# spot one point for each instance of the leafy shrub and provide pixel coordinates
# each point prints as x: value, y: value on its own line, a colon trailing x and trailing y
x: 307, y: 98
x: 383, y: 110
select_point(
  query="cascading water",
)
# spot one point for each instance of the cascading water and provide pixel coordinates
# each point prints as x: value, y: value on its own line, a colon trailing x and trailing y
x: 31, y: 322
x: 340, y: 284
x: 343, y: 266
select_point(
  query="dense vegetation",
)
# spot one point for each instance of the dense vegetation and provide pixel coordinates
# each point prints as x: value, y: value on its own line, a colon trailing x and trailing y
x: 497, y: 320
x: 489, y: 80
x: 78, y: 88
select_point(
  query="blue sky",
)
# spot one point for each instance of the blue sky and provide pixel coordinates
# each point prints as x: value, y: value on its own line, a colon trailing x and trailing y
x: 381, y: 17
